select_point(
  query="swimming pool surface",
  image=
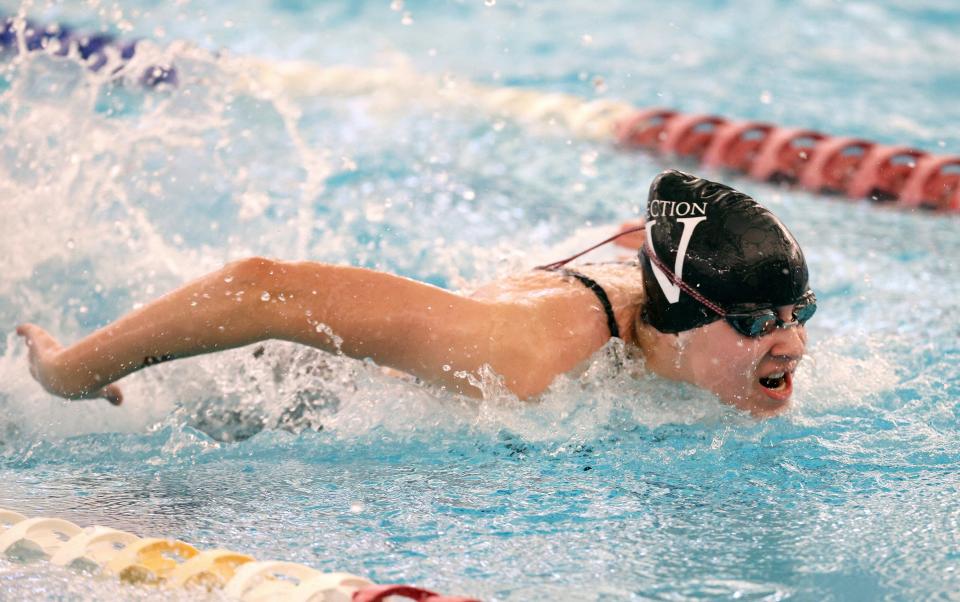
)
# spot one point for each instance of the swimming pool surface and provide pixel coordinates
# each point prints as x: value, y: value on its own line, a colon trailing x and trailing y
x: 610, y: 488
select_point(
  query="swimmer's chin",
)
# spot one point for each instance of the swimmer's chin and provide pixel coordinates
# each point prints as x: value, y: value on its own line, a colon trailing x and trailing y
x: 769, y: 411
x: 760, y: 406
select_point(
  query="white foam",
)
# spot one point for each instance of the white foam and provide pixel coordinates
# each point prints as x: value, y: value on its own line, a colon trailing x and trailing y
x: 828, y: 378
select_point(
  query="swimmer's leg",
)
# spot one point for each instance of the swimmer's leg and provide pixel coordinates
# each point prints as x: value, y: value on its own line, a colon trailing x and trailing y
x: 633, y: 238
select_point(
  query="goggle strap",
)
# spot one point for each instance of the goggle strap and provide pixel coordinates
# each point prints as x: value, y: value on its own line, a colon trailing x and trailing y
x: 559, y: 264
x: 648, y: 251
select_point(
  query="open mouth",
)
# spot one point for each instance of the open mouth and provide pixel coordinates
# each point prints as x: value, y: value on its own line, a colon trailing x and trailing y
x: 778, y: 385
x: 777, y: 380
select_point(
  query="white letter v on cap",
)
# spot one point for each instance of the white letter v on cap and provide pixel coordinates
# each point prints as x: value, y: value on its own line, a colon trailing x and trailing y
x: 670, y: 290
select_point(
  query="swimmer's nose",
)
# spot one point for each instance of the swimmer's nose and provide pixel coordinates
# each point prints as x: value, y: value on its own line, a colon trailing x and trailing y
x: 789, y: 342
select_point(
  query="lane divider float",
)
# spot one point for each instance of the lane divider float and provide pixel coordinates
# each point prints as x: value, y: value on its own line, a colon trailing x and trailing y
x: 172, y: 563
x: 895, y: 175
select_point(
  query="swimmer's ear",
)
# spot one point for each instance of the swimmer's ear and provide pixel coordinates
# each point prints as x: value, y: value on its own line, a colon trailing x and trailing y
x: 113, y: 394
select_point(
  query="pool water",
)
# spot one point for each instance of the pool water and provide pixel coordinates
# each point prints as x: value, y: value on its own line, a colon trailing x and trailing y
x: 611, y: 487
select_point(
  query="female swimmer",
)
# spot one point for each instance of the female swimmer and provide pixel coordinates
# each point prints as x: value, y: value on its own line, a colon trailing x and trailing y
x: 718, y: 298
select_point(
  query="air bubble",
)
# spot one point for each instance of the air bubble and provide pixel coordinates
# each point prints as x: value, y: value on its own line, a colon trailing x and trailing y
x: 228, y: 279
x: 265, y: 296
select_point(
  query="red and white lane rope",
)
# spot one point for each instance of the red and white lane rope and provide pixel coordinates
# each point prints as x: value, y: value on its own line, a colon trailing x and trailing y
x: 852, y: 167
x: 857, y: 168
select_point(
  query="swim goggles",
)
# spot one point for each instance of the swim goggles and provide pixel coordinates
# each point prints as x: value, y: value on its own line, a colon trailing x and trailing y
x: 753, y: 322
x: 764, y: 320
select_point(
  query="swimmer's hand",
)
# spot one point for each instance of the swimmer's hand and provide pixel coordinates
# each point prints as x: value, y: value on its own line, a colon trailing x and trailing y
x: 634, y: 240
x: 44, y: 351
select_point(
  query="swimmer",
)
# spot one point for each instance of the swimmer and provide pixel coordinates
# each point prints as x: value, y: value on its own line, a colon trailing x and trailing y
x: 717, y: 297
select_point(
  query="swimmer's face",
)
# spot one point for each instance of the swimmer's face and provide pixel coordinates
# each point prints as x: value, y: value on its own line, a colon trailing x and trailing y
x: 743, y: 371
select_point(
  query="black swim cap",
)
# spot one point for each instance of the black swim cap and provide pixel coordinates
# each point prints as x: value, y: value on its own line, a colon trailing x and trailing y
x: 721, y: 243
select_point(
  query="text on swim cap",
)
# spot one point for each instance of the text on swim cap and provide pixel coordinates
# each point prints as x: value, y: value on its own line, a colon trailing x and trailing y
x: 660, y: 208
x: 670, y: 290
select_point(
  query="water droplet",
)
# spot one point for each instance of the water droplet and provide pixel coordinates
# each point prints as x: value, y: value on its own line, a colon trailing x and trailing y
x: 599, y: 85
x: 228, y: 279
x: 446, y: 367
x: 265, y: 296
x: 766, y: 97
x: 490, y: 2
x: 396, y: 5
x: 71, y: 244
x: 356, y: 507
x: 407, y: 19
x: 586, y: 39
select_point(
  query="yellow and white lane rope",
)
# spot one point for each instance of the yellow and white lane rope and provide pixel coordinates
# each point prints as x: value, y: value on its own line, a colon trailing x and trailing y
x: 173, y: 563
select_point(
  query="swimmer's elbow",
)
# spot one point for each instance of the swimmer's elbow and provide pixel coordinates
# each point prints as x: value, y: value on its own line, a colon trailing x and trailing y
x: 529, y: 389
x: 525, y: 364
x: 251, y: 271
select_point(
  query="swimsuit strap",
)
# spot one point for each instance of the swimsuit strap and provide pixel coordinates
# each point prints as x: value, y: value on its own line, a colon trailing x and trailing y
x: 601, y: 294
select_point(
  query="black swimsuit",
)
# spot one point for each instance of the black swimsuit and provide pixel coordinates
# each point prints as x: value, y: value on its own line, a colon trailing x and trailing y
x: 601, y: 294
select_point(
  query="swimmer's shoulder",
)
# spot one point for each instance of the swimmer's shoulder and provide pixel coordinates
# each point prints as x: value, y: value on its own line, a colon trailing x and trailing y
x: 623, y: 278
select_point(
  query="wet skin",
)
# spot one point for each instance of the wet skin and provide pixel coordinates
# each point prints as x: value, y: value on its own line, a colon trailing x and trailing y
x: 542, y: 310
x: 529, y: 328
x: 730, y: 365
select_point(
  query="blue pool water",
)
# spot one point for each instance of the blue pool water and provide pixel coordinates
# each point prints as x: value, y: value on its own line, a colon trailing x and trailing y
x: 609, y: 488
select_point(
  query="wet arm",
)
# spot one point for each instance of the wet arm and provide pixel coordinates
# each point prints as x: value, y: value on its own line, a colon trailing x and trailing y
x: 398, y: 322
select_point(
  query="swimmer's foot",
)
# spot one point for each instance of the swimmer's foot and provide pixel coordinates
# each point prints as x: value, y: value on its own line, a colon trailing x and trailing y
x: 44, y: 350
x: 634, y: 240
